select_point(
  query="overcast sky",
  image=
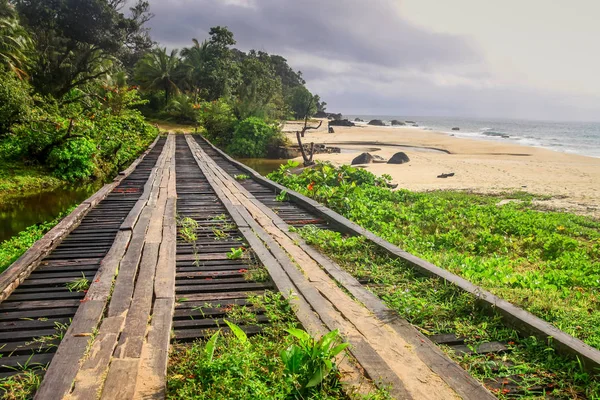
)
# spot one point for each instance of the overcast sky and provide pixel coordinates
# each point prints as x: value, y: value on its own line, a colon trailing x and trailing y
x: 531, y: 59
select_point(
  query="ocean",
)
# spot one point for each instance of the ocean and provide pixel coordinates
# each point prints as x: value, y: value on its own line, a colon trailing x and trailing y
x: 570, y: 137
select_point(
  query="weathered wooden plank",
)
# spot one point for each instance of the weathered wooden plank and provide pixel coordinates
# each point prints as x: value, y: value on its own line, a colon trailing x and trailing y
x: 164, y: 285
x: 124, y: 285
x: 101, y: 286
x: 134, y: 331
x: 31, y: 360
x: 90, y: 376
x: 121, y: 379
x: 155, y: 353
x: 65, y: 364
x: 36, y: 305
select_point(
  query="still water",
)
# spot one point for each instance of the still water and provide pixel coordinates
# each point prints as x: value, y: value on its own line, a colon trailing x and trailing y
x: 263, y: 166
x: 21, y: 212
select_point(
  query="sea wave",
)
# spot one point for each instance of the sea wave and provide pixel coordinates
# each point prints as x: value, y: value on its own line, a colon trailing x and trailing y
x: 496, y: 134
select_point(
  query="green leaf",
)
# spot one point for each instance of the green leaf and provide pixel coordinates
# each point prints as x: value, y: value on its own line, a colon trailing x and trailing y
x: 299, y: 333
x: 237, y: 331
x: 338, y: 349
x: 211, y: 345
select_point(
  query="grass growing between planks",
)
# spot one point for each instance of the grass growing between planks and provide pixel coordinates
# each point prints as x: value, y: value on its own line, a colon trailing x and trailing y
x: 13, y: 248
x: 20, y: 387
x: 282, y: 362
x: 436, y: 307
x: 545, y: 262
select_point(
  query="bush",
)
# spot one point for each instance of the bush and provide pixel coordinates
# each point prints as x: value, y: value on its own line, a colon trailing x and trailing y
x: 218, y: 119
x: 73, y: 160
x: 15, y: 102
x: 252, y: 138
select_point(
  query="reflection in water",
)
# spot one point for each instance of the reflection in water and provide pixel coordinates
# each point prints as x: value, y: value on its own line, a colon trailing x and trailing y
x: 18, y: 213
x: 263, y: 166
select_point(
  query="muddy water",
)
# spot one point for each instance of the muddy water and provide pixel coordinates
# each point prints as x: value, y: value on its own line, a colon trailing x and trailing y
x: 21, y: 212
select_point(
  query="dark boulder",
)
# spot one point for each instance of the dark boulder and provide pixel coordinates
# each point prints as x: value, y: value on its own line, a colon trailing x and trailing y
x: 364, y: 158
x: 323, y: 114
x: 341, y: 122
x: 456, y: 128
x: 376, y: 122
x: 410, y: 122
x: 358, y: 120
x: 395, y: 122
x: 331, y: 129
x: 399, y: 158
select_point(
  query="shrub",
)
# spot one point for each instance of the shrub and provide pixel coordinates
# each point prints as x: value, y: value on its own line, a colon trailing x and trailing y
x: 15, y: 102
x: 218, y: 119
x: 73, y: 160
x: 252, y: 138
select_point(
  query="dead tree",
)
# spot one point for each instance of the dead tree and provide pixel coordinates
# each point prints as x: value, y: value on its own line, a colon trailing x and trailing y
x: 308, y: 160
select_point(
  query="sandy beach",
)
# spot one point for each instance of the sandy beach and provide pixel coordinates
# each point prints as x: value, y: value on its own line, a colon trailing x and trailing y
x: 480, y: 166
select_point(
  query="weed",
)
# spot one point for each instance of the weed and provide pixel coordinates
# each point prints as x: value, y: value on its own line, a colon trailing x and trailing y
x: 78, y: 285
x: 241, y: 177
x: 219, y: 234
x: 235, y: 254
x: 21, y: 386
x: 282, y: 196
x: 257, y: 273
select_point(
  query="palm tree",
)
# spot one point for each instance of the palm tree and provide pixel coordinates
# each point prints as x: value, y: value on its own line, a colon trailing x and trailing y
x: 194, y: 59
x: 14, y: 41
x: 158, y: 70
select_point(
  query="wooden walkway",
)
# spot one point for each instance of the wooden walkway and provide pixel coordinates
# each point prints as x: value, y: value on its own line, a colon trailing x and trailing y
x: 149, y: 286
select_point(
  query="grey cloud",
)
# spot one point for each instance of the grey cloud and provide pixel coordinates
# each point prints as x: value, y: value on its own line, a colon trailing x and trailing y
x: 351, y: 30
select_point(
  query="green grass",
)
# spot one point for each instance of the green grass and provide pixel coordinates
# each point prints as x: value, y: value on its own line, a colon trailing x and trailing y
x: 20, y: 387
x: 230, y: 366
x: 436, y: 307
x: 18, y: 178
x: 545, y: 262
x: 13, y: 248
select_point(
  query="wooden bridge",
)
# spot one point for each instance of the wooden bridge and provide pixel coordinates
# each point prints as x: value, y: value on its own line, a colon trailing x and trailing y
x: 149, y: 287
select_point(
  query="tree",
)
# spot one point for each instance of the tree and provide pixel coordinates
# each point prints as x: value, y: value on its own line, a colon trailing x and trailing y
x: 15, y: 42
x: 260, y: 87
x: 158, y: 70
x: 78, y: 41
x: 221, y: 74
x: 194, y: 65
x: 289, y: 78
x: 301, y: 102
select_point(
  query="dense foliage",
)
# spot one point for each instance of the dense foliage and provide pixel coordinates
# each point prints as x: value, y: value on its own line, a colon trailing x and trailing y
x: 546, y: 262
x: 253, y: 137
x: 65, y: 105
x: 79, y: 137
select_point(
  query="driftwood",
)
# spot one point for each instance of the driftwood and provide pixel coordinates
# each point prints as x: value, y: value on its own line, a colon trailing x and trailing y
x: 308, y: 159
